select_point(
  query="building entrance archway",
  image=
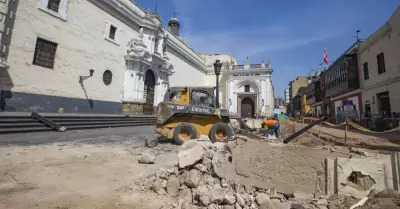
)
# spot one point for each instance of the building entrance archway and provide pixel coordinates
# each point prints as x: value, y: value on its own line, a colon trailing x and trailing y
x: 247, y: 107
x: 149, y: 86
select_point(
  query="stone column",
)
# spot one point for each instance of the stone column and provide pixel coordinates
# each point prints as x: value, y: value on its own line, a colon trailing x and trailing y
x: 269, y: 93
x: 140, y: 83
x: 231, y: 97
x: 136, y: 81
x: 263, y: 96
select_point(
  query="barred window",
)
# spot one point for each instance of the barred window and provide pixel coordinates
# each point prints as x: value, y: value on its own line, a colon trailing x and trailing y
x: 53, y: 5
x: 45, y: 53
x: 113, y: 31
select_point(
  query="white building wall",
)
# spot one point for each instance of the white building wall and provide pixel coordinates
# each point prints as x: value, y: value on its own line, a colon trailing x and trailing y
x: 81, y: 46
x: 387, y: 40
x: 185, y: 74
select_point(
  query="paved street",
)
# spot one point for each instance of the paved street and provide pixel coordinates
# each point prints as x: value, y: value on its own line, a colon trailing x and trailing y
x: 89, y: 136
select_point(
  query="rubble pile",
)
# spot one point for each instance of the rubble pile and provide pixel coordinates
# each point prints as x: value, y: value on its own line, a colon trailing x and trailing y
x: 198, y: 181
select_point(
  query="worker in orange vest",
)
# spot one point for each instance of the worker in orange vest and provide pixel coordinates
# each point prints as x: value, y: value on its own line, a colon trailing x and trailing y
x: 272, y: 125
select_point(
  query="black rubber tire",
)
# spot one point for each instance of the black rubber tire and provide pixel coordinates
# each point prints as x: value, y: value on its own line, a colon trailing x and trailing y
x: 188, y: 127
x: 220, y: 127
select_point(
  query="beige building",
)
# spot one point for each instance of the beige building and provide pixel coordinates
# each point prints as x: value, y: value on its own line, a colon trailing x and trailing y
x: 379, y: 64
x: 294, y: 86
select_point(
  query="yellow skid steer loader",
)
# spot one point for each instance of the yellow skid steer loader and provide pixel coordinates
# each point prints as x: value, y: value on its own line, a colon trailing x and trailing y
x: 188, y: 112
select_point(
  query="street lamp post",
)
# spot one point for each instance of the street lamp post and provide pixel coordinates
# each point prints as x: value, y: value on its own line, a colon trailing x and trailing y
x: 217, y: 70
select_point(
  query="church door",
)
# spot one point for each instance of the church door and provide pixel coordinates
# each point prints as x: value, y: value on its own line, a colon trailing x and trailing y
x: 247, y: 107
x: 149, y: 86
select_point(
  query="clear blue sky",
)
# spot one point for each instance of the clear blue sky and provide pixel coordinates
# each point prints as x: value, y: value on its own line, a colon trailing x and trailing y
x: 291, y: 34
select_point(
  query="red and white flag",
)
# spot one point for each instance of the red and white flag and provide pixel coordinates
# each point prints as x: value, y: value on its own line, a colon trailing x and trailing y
x: 325, y: 57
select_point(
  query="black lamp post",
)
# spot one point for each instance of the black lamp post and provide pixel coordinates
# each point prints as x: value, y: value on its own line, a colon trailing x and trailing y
x: 82, y: 78
x: 217, y: 70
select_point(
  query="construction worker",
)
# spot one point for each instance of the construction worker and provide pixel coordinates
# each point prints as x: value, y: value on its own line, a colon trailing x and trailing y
x: 272, y: 125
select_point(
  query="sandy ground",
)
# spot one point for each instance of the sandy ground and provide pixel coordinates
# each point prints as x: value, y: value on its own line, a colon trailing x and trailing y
x: 99, y: 169
x: 77, y: 175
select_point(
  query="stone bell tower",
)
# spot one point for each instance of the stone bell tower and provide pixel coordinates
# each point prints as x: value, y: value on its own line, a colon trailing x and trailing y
x: 173, y: 26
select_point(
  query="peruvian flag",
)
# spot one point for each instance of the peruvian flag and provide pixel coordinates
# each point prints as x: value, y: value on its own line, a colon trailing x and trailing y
x: 325, y: 57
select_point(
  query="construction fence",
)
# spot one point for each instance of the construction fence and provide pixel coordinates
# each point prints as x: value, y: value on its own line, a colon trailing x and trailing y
x: 347, y: 133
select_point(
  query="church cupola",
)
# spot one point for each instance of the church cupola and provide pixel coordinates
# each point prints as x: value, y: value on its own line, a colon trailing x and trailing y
x: 173, y: 26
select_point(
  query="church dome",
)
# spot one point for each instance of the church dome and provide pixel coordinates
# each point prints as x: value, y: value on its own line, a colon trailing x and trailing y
x: 173, y: 26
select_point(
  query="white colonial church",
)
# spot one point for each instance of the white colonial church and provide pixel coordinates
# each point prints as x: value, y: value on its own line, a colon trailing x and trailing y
x: 118, y: 59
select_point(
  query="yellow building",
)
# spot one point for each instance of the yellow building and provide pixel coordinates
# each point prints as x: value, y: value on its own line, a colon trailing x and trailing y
x: 305, y: 109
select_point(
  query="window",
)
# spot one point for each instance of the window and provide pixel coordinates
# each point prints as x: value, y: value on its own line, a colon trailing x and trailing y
x: 53, y: 5
x: 107, y: 77
x: 156, y: 42
x: 246, y: 88
x: 112, y: 33
x: 56, y: 8
x: 113, y: 30
x: 45, y: 52
x: 381, y: 63
x: 366, y: 73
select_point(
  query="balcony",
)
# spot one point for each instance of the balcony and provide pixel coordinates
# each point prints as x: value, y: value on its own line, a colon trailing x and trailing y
x: 238, y: 67
x: 248, y: 66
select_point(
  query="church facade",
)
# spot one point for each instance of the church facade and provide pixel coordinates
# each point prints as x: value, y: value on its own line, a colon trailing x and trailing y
x: 119, y: 59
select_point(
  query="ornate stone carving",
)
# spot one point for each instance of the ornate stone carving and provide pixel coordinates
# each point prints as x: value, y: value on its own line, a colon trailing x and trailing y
x: 164, y: 46
x: 141, y: 33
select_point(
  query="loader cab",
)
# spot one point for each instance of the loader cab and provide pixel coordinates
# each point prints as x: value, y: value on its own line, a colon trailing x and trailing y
x: 197, y: 96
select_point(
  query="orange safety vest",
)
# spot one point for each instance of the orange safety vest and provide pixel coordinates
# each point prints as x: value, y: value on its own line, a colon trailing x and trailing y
x: 269, y: 123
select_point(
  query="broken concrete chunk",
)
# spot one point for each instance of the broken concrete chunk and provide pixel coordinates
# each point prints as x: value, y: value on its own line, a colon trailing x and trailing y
x: 207, y: 163
x: 240, y: 200
x: 218, y: 163
x: 186, y: 195
x: 204, y: 200
x: 192, y: 178
x: 261, y: 197
x: 151, y: 141
x: 188, y: 205
x: 296, y: 206
x: 201, y: 167
x: 164, y: 183
x: 217, y: 195
x: 238, y: 188
x: 237, y: 206
x: 224, y: 183
x: 267, y: 205
x: 228, y: 207
x: 173, y: 186
x: 303, y: 196
x: 249, y: 189
x: 284, y: 205
x: 147, y: 158
x: 248, y: 198
x: 212, y: 206
x: 189, y: 153
x: 229, y: 199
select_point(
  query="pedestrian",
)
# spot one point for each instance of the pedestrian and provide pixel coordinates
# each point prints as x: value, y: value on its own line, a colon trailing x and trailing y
x: 273, y: 126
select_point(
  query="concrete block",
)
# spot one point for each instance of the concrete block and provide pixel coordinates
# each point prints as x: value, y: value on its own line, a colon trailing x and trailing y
x: 358, y: 176
x: 330, y: 170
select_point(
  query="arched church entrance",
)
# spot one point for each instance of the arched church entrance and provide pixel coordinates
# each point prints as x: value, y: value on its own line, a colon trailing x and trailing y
x: 149, y: 86
x: 247, y: 107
